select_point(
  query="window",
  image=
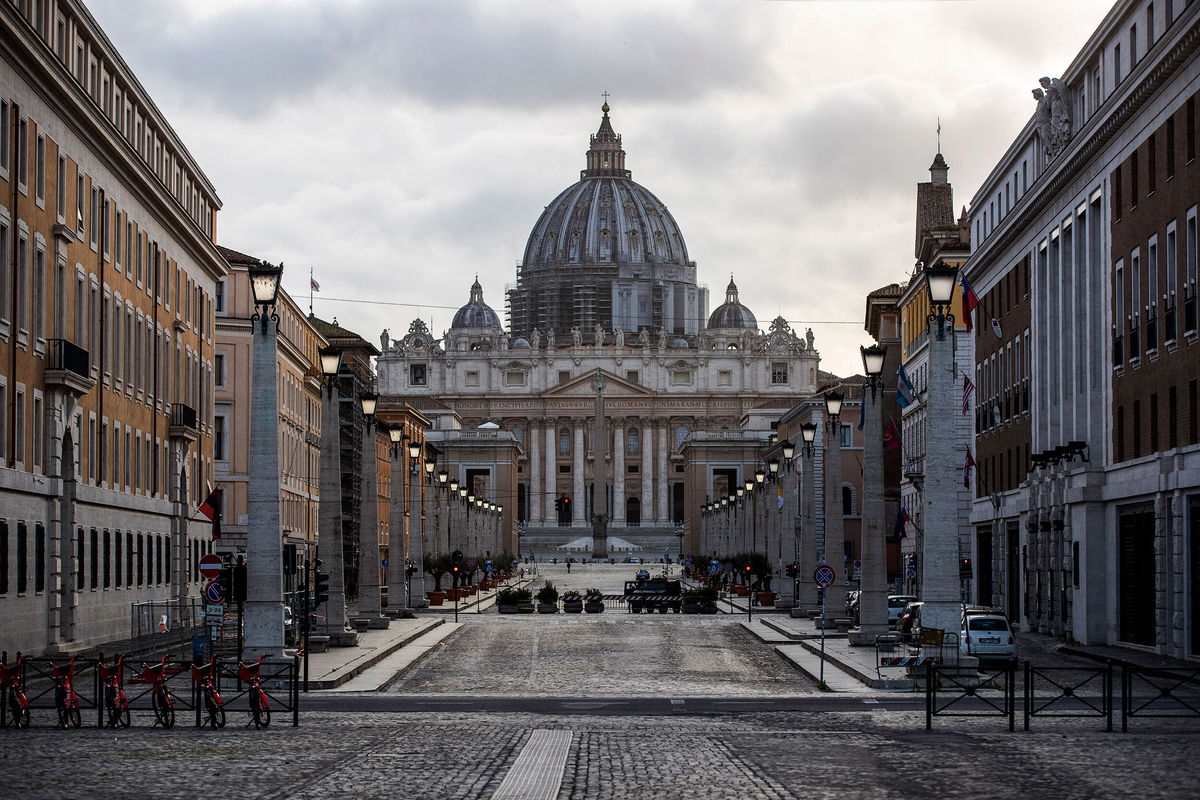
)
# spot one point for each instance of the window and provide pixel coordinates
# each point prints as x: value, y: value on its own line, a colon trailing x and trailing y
x: 4, y: 277
x: 1170, y: 147
x: 19, y: 430
x: 1151, y: 165
x: 632, y: 375
x: 4, y: 144
x: 847, y: 435
x: 38, y: 295
x: 472, y: 378
x: 94, y: 558
x: 631, y: 439
x: 1190, y: 128
x: 219, y: 369
x: 1134, y: 186
x: 107, y: 571
x: 22, y: 153
x: 1133, y: 46
x: 681, y: 377
x: 93, y: 213
x: 3, y: 557
x: 37, y: 432
x: 724, y: 377
x: 416, y: 374
x: 22, y: 558
x: 564, y: 442
x: 219, y: 437
x: 1116, y: 65
x: 564, y: 376
x: 847, y: 502
x: 1172, y: 282
x: 39, y: 557
x: 1118, y: 206
x: 61, y: 189
x: 514, y: 378
x: 779, y: 372
x: 1152, y: 294
x: 39, y: 184
x: 681, y: 433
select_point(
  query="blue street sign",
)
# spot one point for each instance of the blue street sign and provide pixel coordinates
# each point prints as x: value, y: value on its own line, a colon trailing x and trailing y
x: 385, y: 562
x: 823, y: 575
x: 213, y: 592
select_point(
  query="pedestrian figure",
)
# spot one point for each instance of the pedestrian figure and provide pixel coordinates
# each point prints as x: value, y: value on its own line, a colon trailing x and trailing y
x: 568, y: 567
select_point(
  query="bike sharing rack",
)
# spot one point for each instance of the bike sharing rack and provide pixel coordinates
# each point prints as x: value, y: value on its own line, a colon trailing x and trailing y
x: 280, y: 680
x: 932, y: 647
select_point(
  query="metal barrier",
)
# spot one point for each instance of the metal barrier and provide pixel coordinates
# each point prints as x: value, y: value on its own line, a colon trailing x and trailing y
x: 280, y: 679
x: 1174, y: 692
x: 1068, y: 692
x: 37, y: 678
x: 990, y: 693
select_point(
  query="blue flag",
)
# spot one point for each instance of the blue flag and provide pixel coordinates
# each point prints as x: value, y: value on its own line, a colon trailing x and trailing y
x: 904, y: 389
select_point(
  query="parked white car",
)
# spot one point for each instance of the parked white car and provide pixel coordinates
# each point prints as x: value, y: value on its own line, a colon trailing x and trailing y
x: 988, y: 636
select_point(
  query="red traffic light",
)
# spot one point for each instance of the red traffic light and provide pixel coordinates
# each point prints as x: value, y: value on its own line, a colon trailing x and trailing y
x: 747, y: 568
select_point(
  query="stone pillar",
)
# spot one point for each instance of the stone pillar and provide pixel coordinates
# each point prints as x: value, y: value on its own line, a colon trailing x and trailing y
x: 263, y: 614
x: 834, y: 552
x: 872, y: 601
x: 943, y: 475
x: 329, y: 522
x: 579, y: 495
x: 533, y: 511
x: 807, y: 549
x: 416, y: 535
x: 368, y: 533
x: 647, y: 472
x: 396, y: 547
x: 618, y: 472
x: 550, y: 493
x: 662, y: 513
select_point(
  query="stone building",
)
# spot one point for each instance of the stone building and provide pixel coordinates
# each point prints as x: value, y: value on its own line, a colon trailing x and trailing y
x: 1084, y: 260
x: 108, y: 278
x: 606, y: 287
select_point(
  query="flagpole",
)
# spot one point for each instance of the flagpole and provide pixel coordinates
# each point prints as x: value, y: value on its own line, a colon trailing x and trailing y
x: 310, y: 290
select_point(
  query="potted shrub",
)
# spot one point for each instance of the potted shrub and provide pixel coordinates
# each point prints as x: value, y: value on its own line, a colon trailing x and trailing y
x: 547, y: 598
x: 760, y: 568
x: 702, y: 600
x: 509, y: 601
x: 593, y: 601
x: 437, y: 567
x: 572, y: 602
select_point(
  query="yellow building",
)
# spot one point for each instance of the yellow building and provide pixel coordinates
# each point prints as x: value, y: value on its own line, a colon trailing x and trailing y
x: 108, y: 276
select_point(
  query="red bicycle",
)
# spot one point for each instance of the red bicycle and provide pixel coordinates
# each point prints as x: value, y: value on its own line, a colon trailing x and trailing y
x: 260, y: 706
x: 13, y: 699
x: 205, y: 677
x: 115, y: 701
x: 65, y: 698
x: 160, y: 695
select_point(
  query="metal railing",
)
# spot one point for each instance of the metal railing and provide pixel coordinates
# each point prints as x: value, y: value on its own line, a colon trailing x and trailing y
x: 1171, y: 692
x: 990, y: 693
x: 1068, y: 692
x: 67, y: 355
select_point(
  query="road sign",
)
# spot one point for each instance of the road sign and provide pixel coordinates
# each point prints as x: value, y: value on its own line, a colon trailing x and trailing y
x: 214, y: 611
x: 210, y: 566
x: 823, y: 575
x: 471, y: 562
x: 213, y: 592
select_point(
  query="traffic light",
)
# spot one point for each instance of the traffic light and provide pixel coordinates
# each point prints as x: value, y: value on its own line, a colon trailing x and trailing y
x: 454, y: 570
x: 793, y: 569
x: 321, y: 594
x: 410, y: 567
x: 457, y: 555
x: 964, y: 568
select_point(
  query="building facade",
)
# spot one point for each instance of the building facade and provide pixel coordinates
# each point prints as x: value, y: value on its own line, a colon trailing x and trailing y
x: 108, y: 274
x: 1085, y: 247
x: 636, y: 317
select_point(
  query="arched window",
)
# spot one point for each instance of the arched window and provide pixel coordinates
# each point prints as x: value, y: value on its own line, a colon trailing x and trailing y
x: 847, y: 501
x: 564, y: 441
x: 681, y: 433
x: 633, y: 444
x: 519, y: 433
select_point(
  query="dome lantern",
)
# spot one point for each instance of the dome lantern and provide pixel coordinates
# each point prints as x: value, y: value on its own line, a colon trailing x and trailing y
x: 732, y: 314
x: 476, y: 313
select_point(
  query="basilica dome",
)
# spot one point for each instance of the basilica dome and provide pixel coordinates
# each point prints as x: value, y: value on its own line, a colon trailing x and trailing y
x: 731, y: 313
x: 476, y: 313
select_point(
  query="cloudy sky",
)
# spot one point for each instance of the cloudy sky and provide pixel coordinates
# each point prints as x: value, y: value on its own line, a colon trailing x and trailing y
x: 399, y: 147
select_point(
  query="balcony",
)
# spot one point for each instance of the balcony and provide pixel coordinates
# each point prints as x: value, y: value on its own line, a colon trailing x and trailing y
x: 914, y: 469
x: 68, y: 368
x: 183, y: 423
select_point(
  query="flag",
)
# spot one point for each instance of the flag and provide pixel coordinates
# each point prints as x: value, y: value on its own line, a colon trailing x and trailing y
x: 862, y: 417
x: 968, y: 387
x: 211, y: 508
x: 898, y: 530
x: 312, y: 284
x: 891, y: 436
x: 967, y: 470
x: 780, y: 496
x: 969, y: 301
x: 904, y: 389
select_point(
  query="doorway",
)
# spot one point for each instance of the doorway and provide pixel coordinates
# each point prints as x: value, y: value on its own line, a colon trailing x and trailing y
x: 633, y: 512
x: 1136, y: 584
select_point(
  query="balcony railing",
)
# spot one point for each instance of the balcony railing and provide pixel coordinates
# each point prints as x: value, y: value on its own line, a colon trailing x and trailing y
x: 68, y: 367
x: 183, y: 422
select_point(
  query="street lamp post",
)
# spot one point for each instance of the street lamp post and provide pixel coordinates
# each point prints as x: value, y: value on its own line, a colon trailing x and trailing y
x: 872, y: 597
x: 833, y: 548
x: 396, y: 572
x: 369, y: 600
x: 329, y: 512
x: 264, y: 545
x: 416, y: 525
x: 939, y: 557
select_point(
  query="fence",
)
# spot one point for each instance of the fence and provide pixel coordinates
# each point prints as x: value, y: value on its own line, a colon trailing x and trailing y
x: 280, y: 680
x: 1064, y: 692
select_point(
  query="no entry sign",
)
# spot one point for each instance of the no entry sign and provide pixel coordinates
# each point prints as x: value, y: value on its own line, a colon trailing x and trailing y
x: 210, y: 566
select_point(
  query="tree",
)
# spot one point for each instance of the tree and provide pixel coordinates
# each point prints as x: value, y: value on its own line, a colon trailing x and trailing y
x: 437, y: 566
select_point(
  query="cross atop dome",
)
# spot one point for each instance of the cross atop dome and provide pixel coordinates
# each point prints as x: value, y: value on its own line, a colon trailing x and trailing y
x: 605, y: 158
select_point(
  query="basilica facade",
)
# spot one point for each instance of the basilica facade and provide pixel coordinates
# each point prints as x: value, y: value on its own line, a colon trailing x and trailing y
x: 605, y: 288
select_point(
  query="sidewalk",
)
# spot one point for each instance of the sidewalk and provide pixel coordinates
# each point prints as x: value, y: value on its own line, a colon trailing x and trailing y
x: 337, y: 665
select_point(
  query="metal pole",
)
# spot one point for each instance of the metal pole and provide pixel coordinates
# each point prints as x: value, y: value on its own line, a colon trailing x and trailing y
x: 821, y: 592
x: 307, y: 618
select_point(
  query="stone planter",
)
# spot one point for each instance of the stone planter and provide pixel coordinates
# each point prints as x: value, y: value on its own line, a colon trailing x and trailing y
x: 547, y: 608
x: 766, y: 598
x: 435, y: 598
x: 506, y: 609
x: 741, y: 590
x: 573, y: 606
x: 593, y: 606
x: 525, y: 608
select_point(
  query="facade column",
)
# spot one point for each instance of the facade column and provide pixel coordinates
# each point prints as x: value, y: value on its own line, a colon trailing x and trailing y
x: 618, y: 474
x: 416, y: 535
x: 661, y: 477
x: 647, y: 510
x: 533, y: 511
x: 396, y: 555
x: 872, y: 599
x: 579, y: 494
x: 807, y: 550
x: 368, y: 531
x: 550, y: 492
